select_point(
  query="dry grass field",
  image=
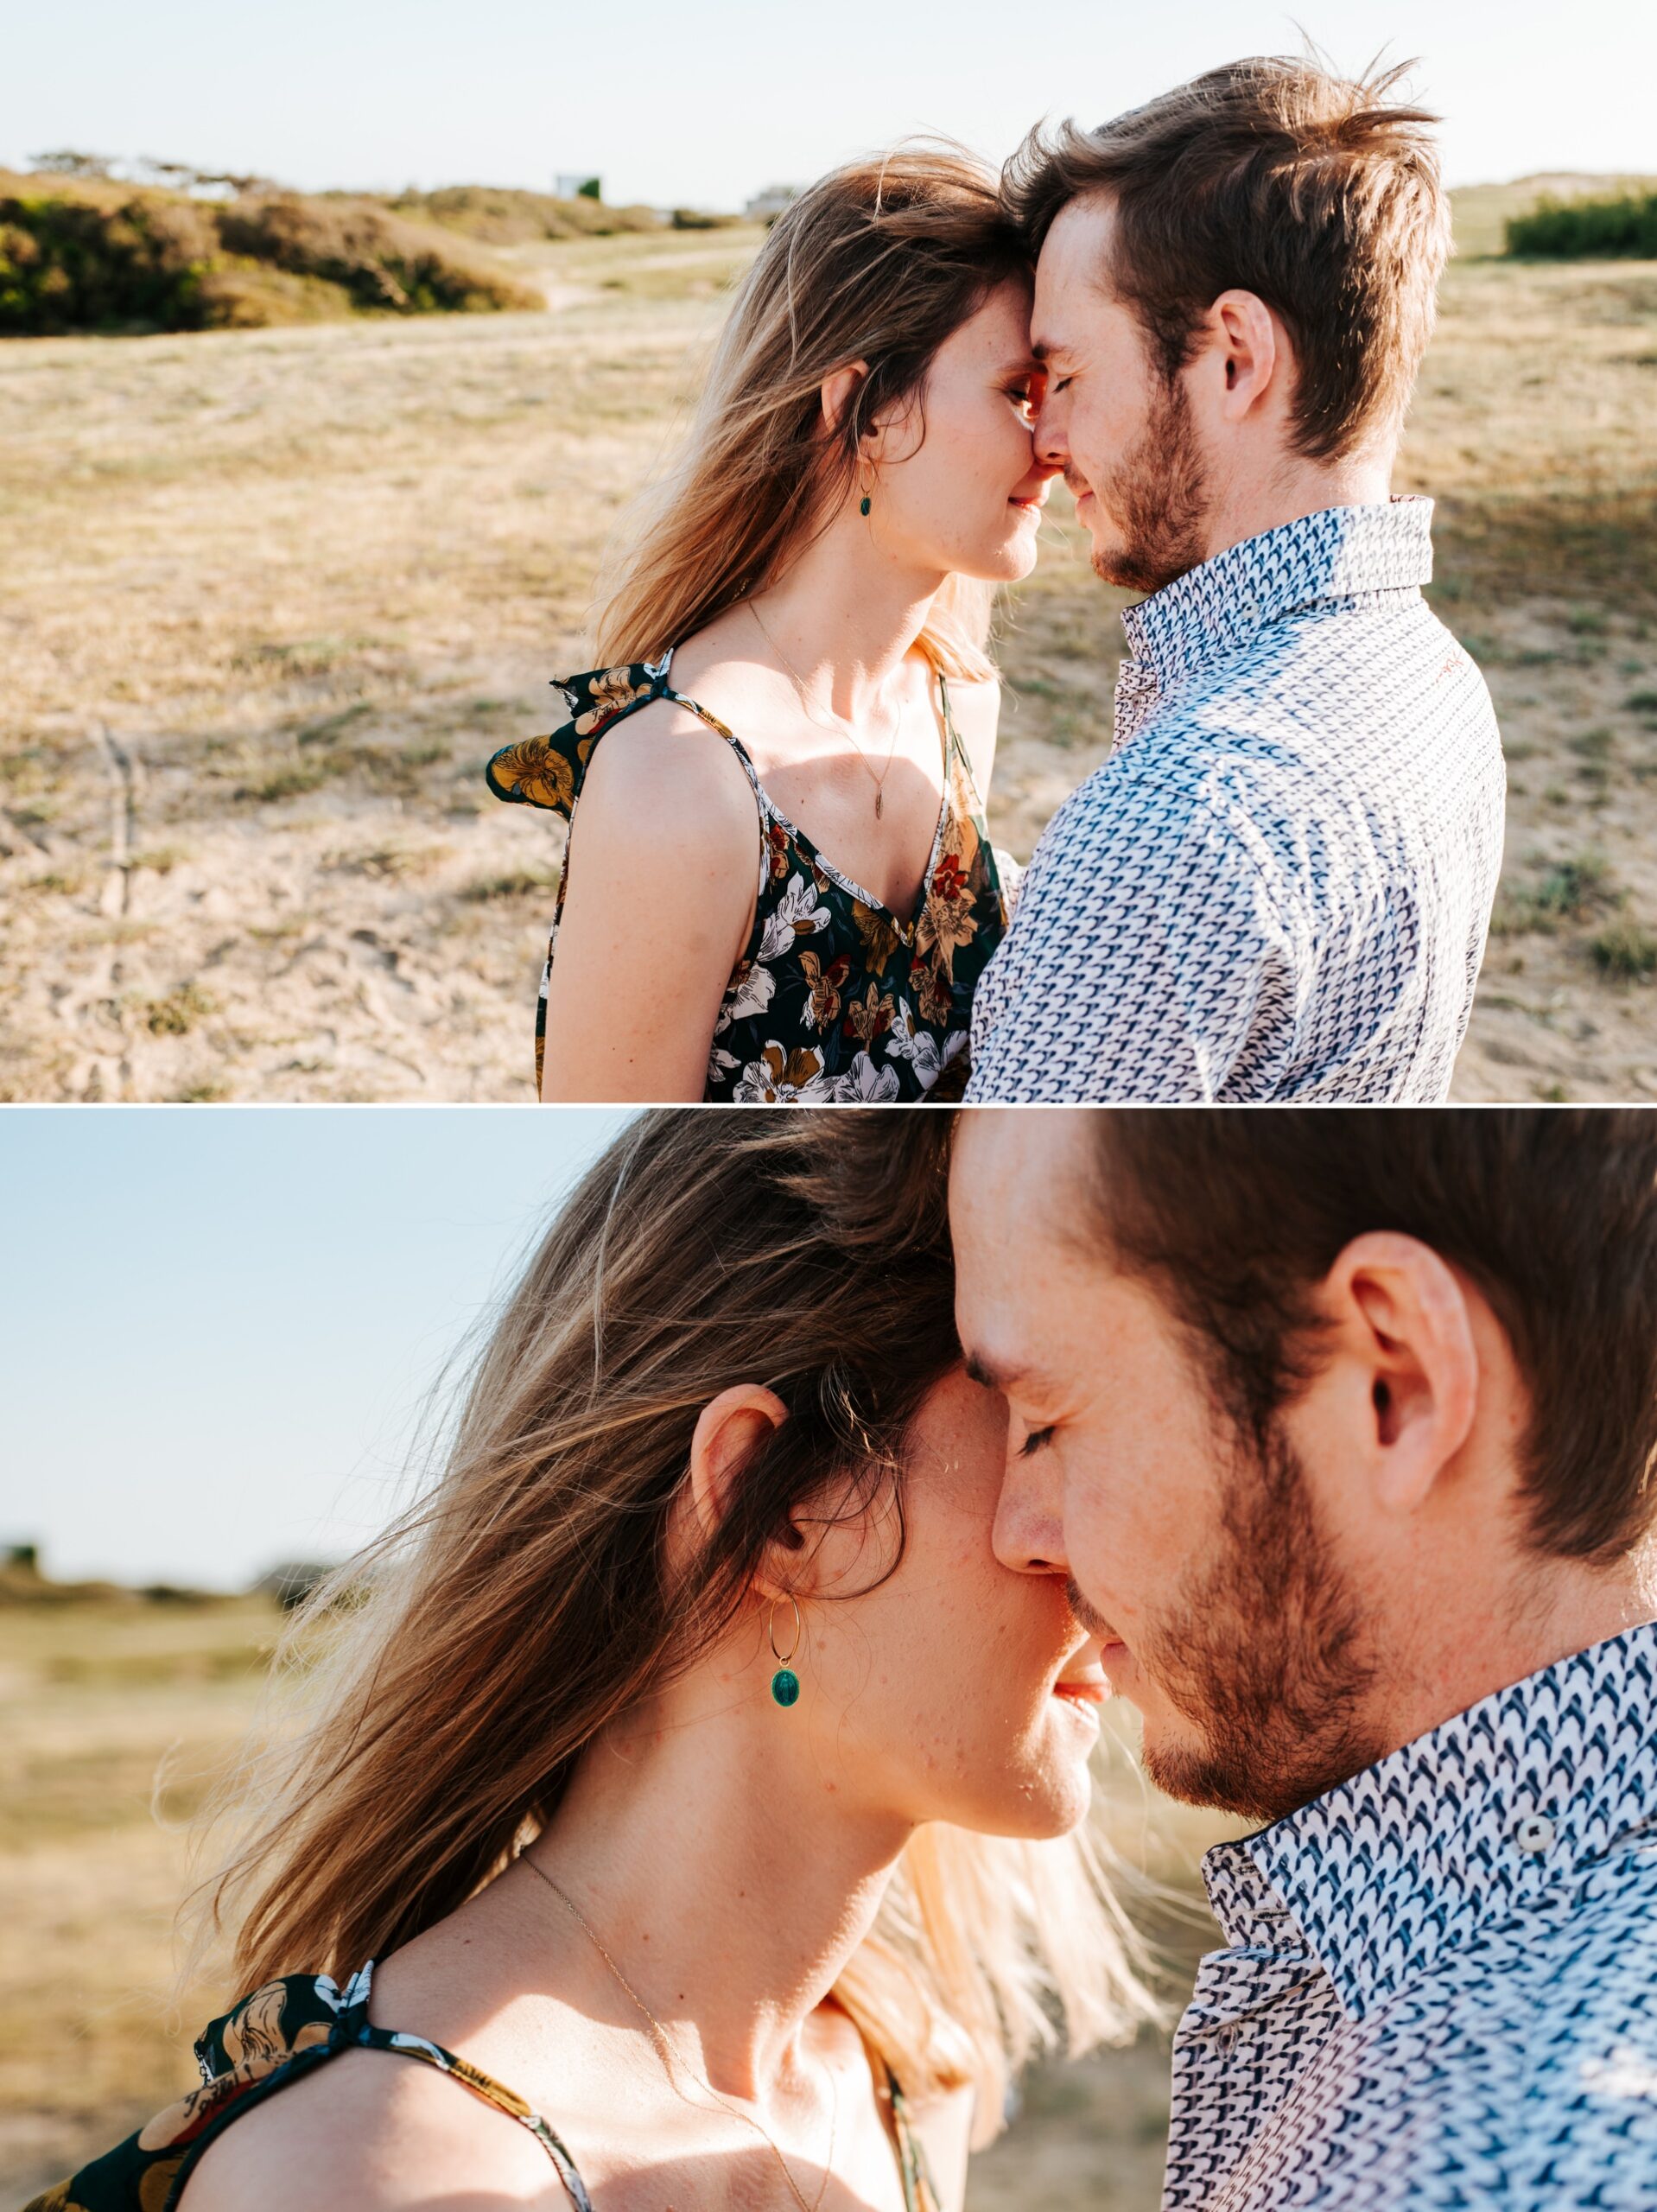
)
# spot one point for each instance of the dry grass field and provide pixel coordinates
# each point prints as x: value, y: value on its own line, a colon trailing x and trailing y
x: 268, y: 599
x: 100, y: 1699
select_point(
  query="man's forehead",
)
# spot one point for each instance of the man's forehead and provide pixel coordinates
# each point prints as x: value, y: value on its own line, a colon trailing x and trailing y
x: 1020, y: 1172
x: 1073, y: 271
x: 1081, y: 238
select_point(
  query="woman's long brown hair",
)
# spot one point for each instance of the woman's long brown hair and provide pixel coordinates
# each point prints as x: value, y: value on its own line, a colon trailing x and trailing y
x: 450, y: 1677
x: 880, y: 261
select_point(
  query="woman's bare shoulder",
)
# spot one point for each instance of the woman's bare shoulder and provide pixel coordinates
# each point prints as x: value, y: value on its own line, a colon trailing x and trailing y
x: 662, y: 773
x: 375, y: 2131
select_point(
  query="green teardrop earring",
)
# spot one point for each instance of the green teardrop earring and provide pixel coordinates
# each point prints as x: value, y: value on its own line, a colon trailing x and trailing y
x: 864, y: 503
x: 784, y: 1683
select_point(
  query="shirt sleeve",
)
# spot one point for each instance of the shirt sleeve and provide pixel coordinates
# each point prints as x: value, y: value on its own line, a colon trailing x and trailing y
x: 1150, y: 957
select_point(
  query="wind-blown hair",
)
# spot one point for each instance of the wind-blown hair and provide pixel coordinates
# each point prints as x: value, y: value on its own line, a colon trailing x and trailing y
x: 421, y: 1732
x: 1320, y: 193
x: 880, y: 261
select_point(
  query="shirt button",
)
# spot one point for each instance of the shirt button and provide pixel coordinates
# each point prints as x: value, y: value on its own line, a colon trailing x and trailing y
x: 1534, y: 1833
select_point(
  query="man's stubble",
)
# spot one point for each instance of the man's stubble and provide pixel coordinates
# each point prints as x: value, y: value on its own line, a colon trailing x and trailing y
x: 1266, y: 1662
x: 1158, y: 498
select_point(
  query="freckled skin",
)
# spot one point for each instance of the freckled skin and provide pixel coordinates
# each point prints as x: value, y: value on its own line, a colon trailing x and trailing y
x: 956, y: 1718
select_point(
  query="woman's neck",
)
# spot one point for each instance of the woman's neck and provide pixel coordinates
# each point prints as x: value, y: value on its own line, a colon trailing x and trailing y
x: 720, y: 1870
x: 845, y: 614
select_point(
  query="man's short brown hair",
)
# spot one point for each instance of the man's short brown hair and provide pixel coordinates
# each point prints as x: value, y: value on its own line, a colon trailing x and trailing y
x: 1271, y: 175
x: 1235, y: 1214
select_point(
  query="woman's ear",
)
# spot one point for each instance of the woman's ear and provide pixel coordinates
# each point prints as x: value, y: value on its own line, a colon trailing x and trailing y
x: 727, y: 1430
x: 838, y: 391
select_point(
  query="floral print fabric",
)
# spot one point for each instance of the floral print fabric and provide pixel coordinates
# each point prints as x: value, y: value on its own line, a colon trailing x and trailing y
x: 834, y: 1000
x: 283, y: 2032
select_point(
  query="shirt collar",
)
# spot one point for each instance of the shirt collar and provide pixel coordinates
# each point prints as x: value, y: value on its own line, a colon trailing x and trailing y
x: 1482, y: 1816
x: 1335, y: 554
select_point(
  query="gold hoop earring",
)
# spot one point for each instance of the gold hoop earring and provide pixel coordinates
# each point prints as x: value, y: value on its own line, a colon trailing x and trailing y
x: 784, y: 1683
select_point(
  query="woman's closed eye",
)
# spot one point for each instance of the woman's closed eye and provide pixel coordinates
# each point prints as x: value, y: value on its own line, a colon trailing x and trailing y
x: 1036, y: 1441
x: 1027, y: 392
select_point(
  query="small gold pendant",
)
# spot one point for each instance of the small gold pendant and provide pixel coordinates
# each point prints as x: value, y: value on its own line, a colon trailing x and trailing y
x: 878, y: 805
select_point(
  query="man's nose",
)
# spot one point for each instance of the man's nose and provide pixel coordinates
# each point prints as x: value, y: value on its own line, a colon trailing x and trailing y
x: 1028, y: 1535
x: 1052, y: 445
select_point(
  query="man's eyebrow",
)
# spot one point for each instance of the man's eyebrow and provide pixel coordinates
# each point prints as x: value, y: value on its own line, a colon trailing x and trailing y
x: 996, y: 1375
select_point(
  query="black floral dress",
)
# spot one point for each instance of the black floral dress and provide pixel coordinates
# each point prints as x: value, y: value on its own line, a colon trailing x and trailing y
x: 834, y: 1000
x: 285, y: 2031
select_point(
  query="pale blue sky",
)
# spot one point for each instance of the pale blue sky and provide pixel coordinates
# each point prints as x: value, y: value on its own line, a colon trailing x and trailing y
x: 706, y: 104
x: 219, y: 1325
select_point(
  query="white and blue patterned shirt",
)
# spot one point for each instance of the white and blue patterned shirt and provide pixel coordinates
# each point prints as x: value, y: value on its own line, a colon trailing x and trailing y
x: 1279, y: 884
x: 1440, y: 1992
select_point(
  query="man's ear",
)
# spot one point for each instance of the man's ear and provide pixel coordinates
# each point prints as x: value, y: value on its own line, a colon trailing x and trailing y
x: 727, y: 1430
x: 1403, y: 1325
x: 1252, y: 356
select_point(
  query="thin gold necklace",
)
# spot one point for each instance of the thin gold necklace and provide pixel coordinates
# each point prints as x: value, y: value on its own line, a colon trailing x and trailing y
x: 664, y: 2052
x: 837, y: 728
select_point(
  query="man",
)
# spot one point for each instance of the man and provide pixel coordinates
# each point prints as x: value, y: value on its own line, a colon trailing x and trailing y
x: 1280, y: 884
x: 1343, y: 1428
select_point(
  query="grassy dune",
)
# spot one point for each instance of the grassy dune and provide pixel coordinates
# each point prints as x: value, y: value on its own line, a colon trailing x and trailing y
x: 270, y: 598
x: 94, y: 1698
x: 113, y: 1717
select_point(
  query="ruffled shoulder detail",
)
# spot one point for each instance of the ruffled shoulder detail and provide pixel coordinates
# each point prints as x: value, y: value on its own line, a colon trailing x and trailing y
x: 548, y: 770
x: 280, y: 2018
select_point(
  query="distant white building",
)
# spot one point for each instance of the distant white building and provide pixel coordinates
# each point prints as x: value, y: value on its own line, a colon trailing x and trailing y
x: 576, y: 184
x: 765, y: 206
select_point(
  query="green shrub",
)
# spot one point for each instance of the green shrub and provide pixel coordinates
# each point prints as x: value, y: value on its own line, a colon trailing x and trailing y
x: 1625, y: 952
x: 1596, y: 230
x: 67, y: 263
x: 378, y: 262
x: 83, y: 254
x: 1570, y: 890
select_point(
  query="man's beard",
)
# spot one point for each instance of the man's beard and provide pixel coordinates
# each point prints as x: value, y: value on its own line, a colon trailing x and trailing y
x: 1158, y: 498
x: 1266, y: 1662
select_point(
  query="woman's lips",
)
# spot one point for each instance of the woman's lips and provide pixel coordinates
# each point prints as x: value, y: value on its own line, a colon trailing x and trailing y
x: 1090, y: 1690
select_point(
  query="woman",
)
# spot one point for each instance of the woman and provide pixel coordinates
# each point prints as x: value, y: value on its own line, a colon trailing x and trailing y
x: 687, y: 1761
x: 798, y: 635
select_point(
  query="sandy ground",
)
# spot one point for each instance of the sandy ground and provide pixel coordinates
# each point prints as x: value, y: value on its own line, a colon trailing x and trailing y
x: 268, y: 600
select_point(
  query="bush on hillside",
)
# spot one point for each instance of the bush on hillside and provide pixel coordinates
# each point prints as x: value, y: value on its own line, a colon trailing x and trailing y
x: 502, y: 215
x: 1587, y: 229
x: 70, y: 264
x: 82, y: 255
x: 377, y: 260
